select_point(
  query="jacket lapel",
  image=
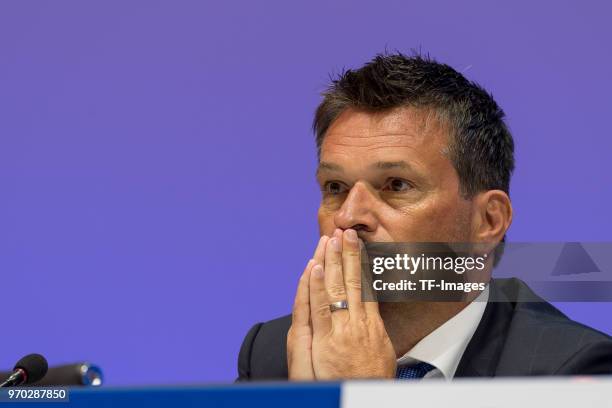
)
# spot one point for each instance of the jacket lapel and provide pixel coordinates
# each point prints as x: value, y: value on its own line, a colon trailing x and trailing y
x: 481, y: 357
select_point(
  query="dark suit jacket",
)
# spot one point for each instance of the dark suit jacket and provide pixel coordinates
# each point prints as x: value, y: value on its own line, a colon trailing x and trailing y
x: 512, y: 339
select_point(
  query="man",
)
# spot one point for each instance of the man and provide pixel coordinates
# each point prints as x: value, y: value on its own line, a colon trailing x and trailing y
x: 411, y: 151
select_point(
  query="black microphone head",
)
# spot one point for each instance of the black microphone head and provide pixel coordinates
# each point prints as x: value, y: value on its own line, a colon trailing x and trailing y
x: 35, y: 367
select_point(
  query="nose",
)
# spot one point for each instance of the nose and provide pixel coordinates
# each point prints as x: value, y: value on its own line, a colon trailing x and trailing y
x: 357, y: 210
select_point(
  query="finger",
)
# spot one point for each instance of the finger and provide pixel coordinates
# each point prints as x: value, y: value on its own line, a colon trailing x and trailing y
x: 320, y: 315
x: 299, y: 339
x: 334, y: 280
x: 319, y: 255
x: 351, y: 270
x: 371, y: 309
x: 301, y: 305
x: 371, y: 306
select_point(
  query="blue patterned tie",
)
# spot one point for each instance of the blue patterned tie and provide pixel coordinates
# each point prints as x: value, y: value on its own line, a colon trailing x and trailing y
x: 413, y: 371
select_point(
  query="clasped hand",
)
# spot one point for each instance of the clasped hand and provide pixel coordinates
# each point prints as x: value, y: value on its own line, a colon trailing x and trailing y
x: 346, y: 343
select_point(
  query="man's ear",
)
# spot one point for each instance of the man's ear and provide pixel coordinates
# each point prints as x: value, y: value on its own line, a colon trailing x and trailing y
x: 491, y: 216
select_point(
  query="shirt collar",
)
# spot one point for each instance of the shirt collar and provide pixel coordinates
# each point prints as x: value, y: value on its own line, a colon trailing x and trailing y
x: 443, y: 347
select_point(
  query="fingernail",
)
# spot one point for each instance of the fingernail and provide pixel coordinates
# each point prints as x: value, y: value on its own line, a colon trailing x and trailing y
x: 317, y: 271
x: 335, y: 243
x: 351, y: 235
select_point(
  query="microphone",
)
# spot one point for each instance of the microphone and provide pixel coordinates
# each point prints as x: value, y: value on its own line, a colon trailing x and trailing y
x: 28, y: 370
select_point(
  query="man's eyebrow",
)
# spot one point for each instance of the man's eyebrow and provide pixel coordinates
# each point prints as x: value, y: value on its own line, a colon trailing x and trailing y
x: 330, y: 167
x: 387, y: 165
x: 381, y: 165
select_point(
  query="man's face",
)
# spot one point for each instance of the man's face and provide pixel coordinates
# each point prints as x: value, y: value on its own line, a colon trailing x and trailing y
x: 388, y: 175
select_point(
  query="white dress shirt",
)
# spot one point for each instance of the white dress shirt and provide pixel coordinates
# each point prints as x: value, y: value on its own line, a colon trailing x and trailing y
x: 444, y: 347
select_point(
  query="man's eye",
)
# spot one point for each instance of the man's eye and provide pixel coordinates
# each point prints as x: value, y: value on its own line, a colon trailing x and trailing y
x: 397, y: 185
x: 334, y: 187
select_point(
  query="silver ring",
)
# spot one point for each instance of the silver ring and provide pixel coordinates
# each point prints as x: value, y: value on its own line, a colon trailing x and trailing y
x: 343, y: 304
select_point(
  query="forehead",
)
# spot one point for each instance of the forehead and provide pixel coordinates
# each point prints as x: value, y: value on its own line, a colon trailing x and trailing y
x: 405, y: 133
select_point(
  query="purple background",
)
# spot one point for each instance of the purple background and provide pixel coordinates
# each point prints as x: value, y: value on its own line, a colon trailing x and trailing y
x: 157, y: 165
